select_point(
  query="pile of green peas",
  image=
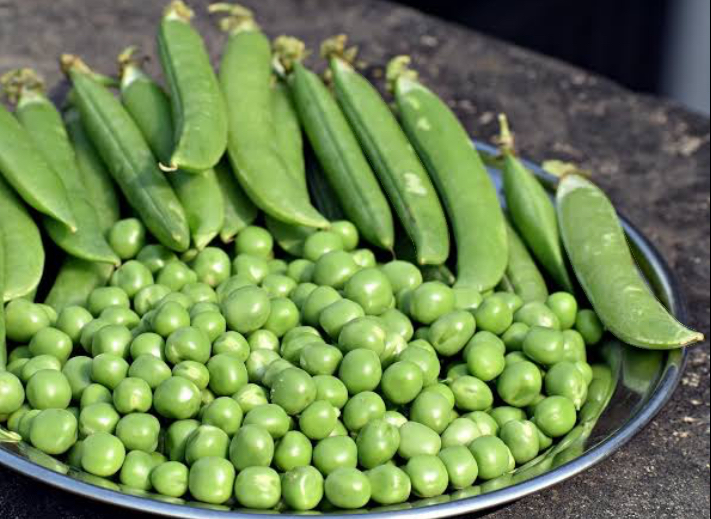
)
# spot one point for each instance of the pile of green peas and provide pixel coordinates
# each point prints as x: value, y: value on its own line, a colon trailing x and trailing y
x: 316, y: 383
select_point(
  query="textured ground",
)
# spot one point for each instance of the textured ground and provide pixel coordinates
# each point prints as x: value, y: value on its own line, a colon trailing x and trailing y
x: 650, y: 155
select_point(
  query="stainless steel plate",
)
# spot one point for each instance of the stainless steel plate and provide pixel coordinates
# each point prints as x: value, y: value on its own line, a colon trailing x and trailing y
x: 645, y: 382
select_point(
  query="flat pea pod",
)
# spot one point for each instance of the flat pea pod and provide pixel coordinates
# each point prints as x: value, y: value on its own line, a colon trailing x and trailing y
x: 131, y: 162
x: 76, y: 280
x: 522, y: 272
x: 288, y: 136
x: 99, y: 185
x: 340, y: 156
x: 24, y: 253
x: 44, y: 124
x: 398, y: 167
x: 200, y: 129
x: 460, y: 176
x: 245, y: 76
x: 199, y: 193
x: 26, y: 170
x: 532, y: 211
x: 605, y: 267
x: 240, y: 212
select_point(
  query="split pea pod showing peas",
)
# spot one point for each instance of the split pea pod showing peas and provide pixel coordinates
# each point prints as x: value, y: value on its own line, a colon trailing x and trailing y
x: 21, y: 240
x: 603, y: 263
x: 246, y: 76
x: 532, y: 211
x: 398, y: 167
x: 44, y: 124
x: 76, y: 280
x: 460, y: 176
x: 522, y: 272
x: 129, y: 158
x: 337, y: 149
x: 198, y: 104
x: 199, y: 193
x: 240, y: 212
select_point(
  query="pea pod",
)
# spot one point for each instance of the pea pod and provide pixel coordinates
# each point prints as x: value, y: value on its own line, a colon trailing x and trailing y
x: 240, y: 212
x: 532, y: 212
x: 200, y: 121
x: 337, y: 149
x: 522, y: 272
x: 99, y: 186
x: 3, y: 341
x: 325, y: 197
x: 288, y: 136
x: 43, y: 122
x: 290, y: 238
x: 76, y: 280
x: 129, y: 158
x: 398, y: 167
x: 199, y: 193
x: 460, y: 176
x: 22, y: 243
x: 245, y: 76
x: 603, y: 263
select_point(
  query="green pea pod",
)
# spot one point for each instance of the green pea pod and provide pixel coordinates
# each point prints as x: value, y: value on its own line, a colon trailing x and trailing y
x: 199, y: 193
x: 522, y: 272
x: 130, y: 160
x: 289, y: 138
x: 245, y: 76
x: 325, y: 197
x: 76, y: 280
x: 290, y: 238
x: 43, y: 122
x: 605, y: 267
x: 398, y: 167
x: 198, y: 105
x: 532, y: 212
x: 22, y: 243
x: 26, y: 170
x: 3, y: 341
x: 100, y: 188
x: 240, y: 212
x: 460, y: 176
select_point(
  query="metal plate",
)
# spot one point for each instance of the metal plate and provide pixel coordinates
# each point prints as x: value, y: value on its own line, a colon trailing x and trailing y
x: 646, y: 381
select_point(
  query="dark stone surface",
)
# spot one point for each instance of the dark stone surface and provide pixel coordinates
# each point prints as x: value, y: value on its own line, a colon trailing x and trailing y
x: 650, y: 155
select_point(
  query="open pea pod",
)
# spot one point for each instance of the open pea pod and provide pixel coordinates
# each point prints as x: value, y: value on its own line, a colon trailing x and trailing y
x: 605, y: 267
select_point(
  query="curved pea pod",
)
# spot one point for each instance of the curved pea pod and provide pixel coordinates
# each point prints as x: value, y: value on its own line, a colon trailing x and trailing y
x: 129, y: 158
x: 398, y: 167
x: 532, y: 212
x: 100, y: 188
x: 245, y: 76
x: 603, y: 263
x: 461, y: 178
x: 76, y: 280
x: 26, y: 170
x: 240, y: 212
x: 199, y: 193
x: 24, y: 254
x: 288, y: 136
x: 522, y: 272
x: 199, y: 113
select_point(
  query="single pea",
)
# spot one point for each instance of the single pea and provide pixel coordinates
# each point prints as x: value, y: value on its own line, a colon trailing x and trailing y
x: 48, y: 389
x: 270, y: 417
x: 54, y: 431
x: 293, y: 390
x: 520, y: 384
x: 170, y: 479
x: 301, y: 270
x: 565, y: 306
x: 451, y: 332
x: 224, y: 413
x: 333, y: 453
x: 94, y: 394
x: 225, y: 289
x: 175, y: 275
x: 586, y: 370
x: 397, y: 322
x: 430, y: 301
x: 139, y: 432
x: 104, y: 297
x: 98, y: 417
x: 132, y: 395
x: 103, y: 455
x: 212, y: 266
x: 177, y: 398
x: 155, y: 257
x: 565, y: 379
x: 494, y: 315
x: 263, y: 340
x: 203, y: 307
x: 504, y: 414
x: 402, y: 275
x: 211, y: 323
x: 462, y: 431
x: 485, y: 337
x: 522, y: 439
x: 492, y: 457
x: 72, y: 320
x: 232, y: 343
x: 301, y: 294
x: 252, y: 446
x: 513, y: 337
x: 147, y: 298
x: 364, y: 258
x: 302, y: 488
x: 258, y: 488
x: 555, y: 416
x: 485, y: 361
x: 457, y: 370
x: 348, y: 233
x: 402, y: 382
x: 425, y: 359
x: 256, y: 241
x: 247, y: 309
x: 198, y: 292
x: 193, y: 371
x: 78, y: 373
x: 15, y: 367
x: 515, y: 357
x: 211, y: 480
x: 206, y: 441
x: 131, y: 277
x: 258, y: 362
x: 320, y: 359
x: 251, y: 396
x: 431, y: 409
x: 590, y: 327
x: 320, y: 299
x: 360, y: 371
x: 574, y: 348
x: 363, y: 333
x: 274, y: 370
x: 442, y: 390
x: 318, y: 420
x: 347, y: 488
x: 127, y: 237
x: 390, y: 485
x: 321, y: 243
x: 544, y: 346
x: 12, y: 394
x: 51, y: 313
x: 361, y: 409
x: 23, y: 320
x: 176, y: 438
x: 148, y: 343
x: 472, y: 394
x: 228, y: 374
x: 112, y: 339
x: 334, y: 269
x: 136, y: 471
x: 462, y: 469
x: 510, y: 299
x: 188, y: 343
x: 331, y: 390
x: 428, y: 475
x: 377, y: 443
x: 252, y: 268
x: 278, y: 285
x: 487, y: 425
x: 170, y: 317
x: 394, y: 346
x: 371, y: 289
x: 537, y: 314
x: 338, y: 314
x: 293, y: 450
x: 118, y: 315
x: 39, y: 363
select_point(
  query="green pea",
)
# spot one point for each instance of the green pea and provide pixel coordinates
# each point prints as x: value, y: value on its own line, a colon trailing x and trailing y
x: 294, y: 390
x: 211, y: 480
x: 334, y: 269
x: 590, y: 327
x: 360, y: 371
x: 175, y: 275
x: 24, y: 427
x: 278, y: 266
x: 278, y: 285
x: 348, y: 233
x: 485, y: 361
x: 371, y: 289
x: 258, y: 362
x: 510, y: 299
x: 574, y: 349
x: 252, y: 268
x: 104, y: 297
x: 72, y: 320
x: 132, y: 395
x: 48, y: 389
x: 565, y: 379
x: 302, y: 488
x: 284, y: 316
x: 176, y: 438
x: 225, y: 289
x: 203, y: 307
x: 337, y: 315
x: 504, y: 414
x: 430, y: 301
x: 431, y: 409
x: 394, y: 346
x: 271, y: 417
x: 127, y: 237
x: 139, y: 432
x: 95, y: 393
x: 232, y: 343
x: 150, y: 344
x: 170, y: 479
x: 318, y: 420
x: 258, y: 488
x: 425, y: 359
x: 112, y: 339
x: 301, y: 294
x: 198, y: 293
x: 472, y: 394
x: 78, y: 373
x: 377, y: 443
x: 301, y: 270
x: 462, y: 468
x: 520, y: 384
x: 131, y: 277
x: 212, y: 266
x: 224, y: 413
x: 462, y: 431
x: 39, y: 363
x: 363, y: 332
x: 402, y: 382
x: 171, y: 316
x: 319, y: 299
x: 544, y: 346
x: 187, y: 343
x: 364, y: 258
x: 23, y: 320
x: 177, y: 398
x: 118, y: 315
x: 19, y: 353
x: 193, y: 371
x: 555, y: 416
x: 103, y: 455
x: 494, y: 315
x: 211, y: 323
x: 537, y: 314
x: 586, y: 370
x: 347, y: 488
x: 98, y: 417
x: 442, y: 390
x: 428, y: 475
x: 256, y: 241
x: 155, y: 257
x: 451, y: 332
x: 293, y: 450
x: 147, y: 298
x: 251, y: 396
x: 252, y: 446
x: 402, y: 275
x: 176, y: 297
x: 492, y: 457
x: 361, y: 409
x: 12, y: 394
x: 515, y: 357
x: 74, y: 455
x: 522, y: 439
x: 206, y: 441
x: 54, y: 431
x: 565, y: 306
x: 321, y: 243
x: 513, y: 337
x: 136, y: 471
x: 263, y: 340
x: 331, y: 390
x: 397, y: 322
x: 333, y: 453
x: 320, y: 359
x: 247, y: 309
x: 390, y: 485
x: 485, y: 422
